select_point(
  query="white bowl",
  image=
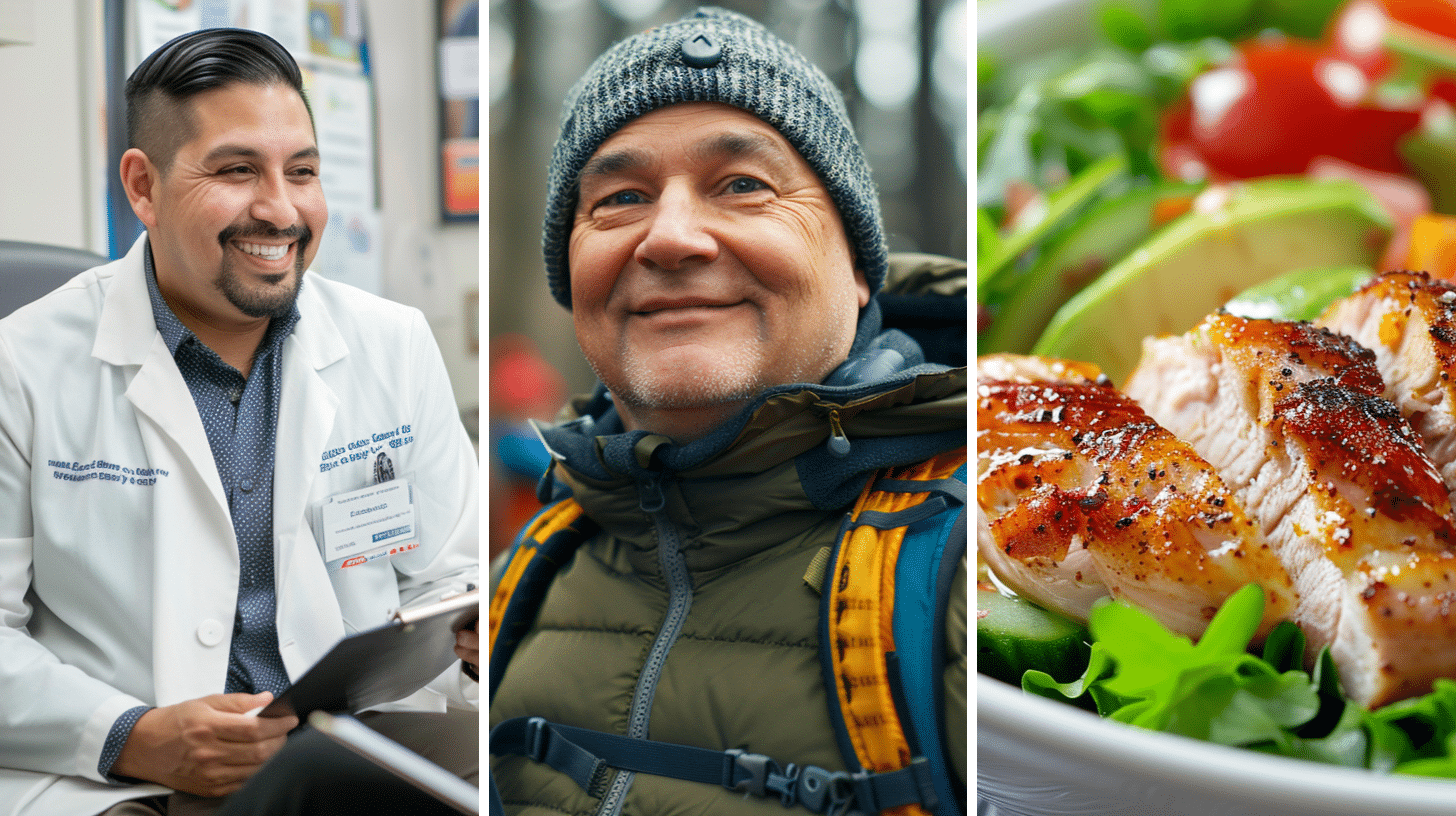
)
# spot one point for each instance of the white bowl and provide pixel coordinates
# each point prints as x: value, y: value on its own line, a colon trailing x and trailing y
x: 1037, y: 757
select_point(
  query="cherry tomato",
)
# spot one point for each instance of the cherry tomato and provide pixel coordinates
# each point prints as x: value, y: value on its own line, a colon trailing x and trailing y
x: 1280, y: 104
x: 1355, y: 31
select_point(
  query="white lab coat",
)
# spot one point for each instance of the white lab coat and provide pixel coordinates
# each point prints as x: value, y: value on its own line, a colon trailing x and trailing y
x: 118, y: 563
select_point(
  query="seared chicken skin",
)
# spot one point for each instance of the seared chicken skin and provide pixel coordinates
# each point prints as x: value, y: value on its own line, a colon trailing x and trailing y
x: 1081, y: 495
x: 1409, y: 321
x: 1291, y: 416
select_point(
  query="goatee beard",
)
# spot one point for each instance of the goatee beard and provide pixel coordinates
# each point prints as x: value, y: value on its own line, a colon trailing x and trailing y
x: 270, y: 303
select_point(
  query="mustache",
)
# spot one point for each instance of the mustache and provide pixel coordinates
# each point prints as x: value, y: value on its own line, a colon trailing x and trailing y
x: 260, y: 229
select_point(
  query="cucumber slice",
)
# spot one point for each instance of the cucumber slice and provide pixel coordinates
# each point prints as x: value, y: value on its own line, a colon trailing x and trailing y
x: 1299, y: 295
x: 1014, y: 634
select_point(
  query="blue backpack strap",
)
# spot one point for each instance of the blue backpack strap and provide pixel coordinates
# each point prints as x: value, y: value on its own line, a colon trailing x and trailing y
x: 929, y: 557
x: 882, y: 636
x: 546, y: 543
x: 585, y: 755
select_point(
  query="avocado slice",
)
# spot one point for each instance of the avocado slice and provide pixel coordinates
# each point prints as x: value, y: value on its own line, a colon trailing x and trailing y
x: 1099, y: 239
x: 1261, y: 228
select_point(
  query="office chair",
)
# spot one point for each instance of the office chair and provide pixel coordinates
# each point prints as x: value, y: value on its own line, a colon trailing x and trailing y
x: 29, y: 270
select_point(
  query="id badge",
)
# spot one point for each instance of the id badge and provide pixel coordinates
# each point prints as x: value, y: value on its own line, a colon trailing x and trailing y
x: 372, y: 522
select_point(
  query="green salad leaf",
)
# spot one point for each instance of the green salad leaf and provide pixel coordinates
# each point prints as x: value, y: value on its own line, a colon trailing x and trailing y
x: 1213, y: 690
x: 1417, y: 736
x: 1127, y: 24
x: 1063, y: 132
x: 1140, y: 673
x: 1192, y: 19
x: 991, y: 273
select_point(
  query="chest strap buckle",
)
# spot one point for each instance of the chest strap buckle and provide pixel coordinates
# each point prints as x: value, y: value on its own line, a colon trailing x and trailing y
x: 813, y: 787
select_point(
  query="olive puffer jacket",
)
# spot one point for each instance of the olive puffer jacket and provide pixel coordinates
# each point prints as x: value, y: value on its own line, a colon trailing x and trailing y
x: 689, y: 618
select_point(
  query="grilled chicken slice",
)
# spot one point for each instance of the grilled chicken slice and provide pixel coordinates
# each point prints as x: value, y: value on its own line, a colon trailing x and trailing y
x: 1409, y: 321
x: 1292, y: 417
x: 1081, y: 495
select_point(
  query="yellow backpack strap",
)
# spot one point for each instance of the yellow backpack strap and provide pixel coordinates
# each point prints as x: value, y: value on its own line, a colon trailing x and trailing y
x: 543, y: 546
x: 857, y: 623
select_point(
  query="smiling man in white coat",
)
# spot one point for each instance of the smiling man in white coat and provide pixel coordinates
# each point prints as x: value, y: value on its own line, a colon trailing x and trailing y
x: 171, y: 425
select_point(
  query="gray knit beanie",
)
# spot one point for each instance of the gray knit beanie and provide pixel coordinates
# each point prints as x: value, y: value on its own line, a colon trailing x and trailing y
x: 714, y: 55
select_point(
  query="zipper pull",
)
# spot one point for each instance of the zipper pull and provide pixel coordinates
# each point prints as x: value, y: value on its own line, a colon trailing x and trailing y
x: 838, y: 442
x: 649, y: 492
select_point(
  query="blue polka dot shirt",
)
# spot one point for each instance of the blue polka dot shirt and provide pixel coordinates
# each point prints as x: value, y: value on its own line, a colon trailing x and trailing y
x: 240, y: 415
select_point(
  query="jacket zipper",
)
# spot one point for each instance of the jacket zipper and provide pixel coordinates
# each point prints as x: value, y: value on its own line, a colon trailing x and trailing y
x: 838, y: 440
x: 679, y: 601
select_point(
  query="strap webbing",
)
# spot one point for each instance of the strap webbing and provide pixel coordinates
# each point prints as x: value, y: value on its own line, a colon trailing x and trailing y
x: 891, y: 519
x: 584, y: 755
x: 955, y: 488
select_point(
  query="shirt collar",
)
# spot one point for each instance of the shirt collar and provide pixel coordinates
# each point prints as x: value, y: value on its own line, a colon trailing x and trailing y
x: 174, y: 333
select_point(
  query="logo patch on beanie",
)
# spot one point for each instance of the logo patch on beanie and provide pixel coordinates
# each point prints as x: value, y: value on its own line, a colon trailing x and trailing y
x: 701, y: 51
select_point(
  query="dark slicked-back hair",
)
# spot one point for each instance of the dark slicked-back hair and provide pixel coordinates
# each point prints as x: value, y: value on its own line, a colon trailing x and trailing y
x: 157, y: 119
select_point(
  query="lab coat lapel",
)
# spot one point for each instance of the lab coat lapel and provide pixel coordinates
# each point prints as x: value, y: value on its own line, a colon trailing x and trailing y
x: 308, y: 613
x: 194, y: 549
x: 126, y: 335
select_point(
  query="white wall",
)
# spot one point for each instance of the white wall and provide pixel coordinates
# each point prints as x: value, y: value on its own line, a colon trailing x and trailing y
x: 46, y: 133
x: 52, y: 161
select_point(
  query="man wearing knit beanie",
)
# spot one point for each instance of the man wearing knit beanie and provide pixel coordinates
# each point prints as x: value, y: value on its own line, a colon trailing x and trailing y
x: 713, y: 227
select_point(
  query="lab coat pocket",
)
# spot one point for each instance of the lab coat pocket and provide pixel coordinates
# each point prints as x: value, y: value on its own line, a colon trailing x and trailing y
x: 368, y: 593
x: 360, y: 533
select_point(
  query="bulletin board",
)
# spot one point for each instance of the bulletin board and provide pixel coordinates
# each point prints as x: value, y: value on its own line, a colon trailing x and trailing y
x: 459, y: 69
x: 328, y: 38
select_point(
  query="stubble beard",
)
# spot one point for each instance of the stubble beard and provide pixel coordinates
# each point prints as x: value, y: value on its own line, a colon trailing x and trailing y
x: 736, y: 376
x: 730, y: 380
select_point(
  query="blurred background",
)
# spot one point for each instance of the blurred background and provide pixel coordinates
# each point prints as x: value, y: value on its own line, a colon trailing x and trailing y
x: 901, y: 65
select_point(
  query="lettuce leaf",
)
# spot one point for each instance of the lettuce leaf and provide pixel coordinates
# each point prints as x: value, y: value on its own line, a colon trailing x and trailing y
x: 1217, y: 690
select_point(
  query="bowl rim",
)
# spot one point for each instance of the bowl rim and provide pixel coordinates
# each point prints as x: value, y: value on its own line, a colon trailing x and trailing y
x: 1076, y: 735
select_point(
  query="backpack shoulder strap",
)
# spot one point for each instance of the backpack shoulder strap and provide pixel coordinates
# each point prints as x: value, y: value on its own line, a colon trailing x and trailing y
x: 547, y: 542
x: 882, y: 622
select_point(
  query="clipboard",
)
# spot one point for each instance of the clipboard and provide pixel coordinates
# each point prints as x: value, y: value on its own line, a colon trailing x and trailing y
x: 399, y: 760
x: 381, y: 665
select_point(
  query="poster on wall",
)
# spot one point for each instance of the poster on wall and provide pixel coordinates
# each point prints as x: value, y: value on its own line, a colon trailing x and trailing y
x: 158, y: 21
x: 459, y: 68
x: 344, y: 113
x: 327, y: 37
x: 335, y: 34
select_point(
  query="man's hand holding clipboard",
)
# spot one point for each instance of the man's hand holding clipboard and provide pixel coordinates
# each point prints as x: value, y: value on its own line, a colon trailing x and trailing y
x: 467, y: 641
